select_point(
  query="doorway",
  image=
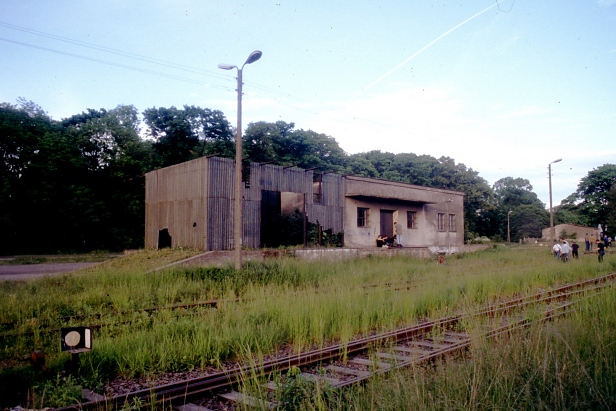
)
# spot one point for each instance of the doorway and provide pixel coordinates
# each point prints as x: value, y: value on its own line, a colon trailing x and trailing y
x: 387, y: 223
x: 164, y: 239
x: 282, y: 218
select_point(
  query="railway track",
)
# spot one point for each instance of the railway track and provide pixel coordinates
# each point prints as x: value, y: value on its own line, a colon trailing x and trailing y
x: 350, y: 363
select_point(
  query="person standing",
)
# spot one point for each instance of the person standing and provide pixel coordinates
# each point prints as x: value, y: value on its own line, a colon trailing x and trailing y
x: 398, y: 227
x: 564, y: 251
x: 587, y: 240
x: 592, y: 239
x: 574, y: 250
x: 600, y: 250
x: 556, y: 250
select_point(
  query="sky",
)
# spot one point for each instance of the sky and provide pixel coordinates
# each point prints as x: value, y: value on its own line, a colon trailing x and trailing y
x: 504, y: 87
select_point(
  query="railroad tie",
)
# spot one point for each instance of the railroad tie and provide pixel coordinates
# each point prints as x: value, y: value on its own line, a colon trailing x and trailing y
x: 384, y: 366
x: 415, y: 352
x: 248, y: 400
x: 397, y: 358
x: 273, y: 385
x: 427, y: 343
x: 456, y: 337
x: 348, y: 371
x: 319, y: 378
x: 91, y: 395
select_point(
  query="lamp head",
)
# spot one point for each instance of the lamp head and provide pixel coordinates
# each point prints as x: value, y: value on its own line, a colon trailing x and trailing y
x: 557, y: 161
x: 226, y: 66
x: 254, y: 56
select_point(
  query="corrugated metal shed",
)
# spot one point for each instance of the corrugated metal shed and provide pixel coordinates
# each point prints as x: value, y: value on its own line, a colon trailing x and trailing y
x: 194, y: 201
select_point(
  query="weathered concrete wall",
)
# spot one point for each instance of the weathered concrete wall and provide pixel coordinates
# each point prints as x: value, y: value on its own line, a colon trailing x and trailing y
x: 377, y: 195
x: 579, y: 230
x: 222, y: 258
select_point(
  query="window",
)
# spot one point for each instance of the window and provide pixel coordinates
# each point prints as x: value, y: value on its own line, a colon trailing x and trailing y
x: 317, y: 187
x: 441, y: 222
x: 362, y: 217
x: 411, y: 219
x: 452, y: 222
x: 246, y: 174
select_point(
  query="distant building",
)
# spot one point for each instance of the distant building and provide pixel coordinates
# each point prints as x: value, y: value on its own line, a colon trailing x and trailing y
x: 191, y: 205
x: 570, y: 231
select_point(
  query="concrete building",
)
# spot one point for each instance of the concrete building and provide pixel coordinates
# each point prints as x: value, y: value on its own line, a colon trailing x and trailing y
x: 191, y: 205
x: 571, y: 231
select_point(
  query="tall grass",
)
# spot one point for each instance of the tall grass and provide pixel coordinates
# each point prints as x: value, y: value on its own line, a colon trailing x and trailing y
x: 264, y: 307
x: 567, y: 364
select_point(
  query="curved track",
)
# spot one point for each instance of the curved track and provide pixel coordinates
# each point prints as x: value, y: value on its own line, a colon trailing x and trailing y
x: 404, y: 347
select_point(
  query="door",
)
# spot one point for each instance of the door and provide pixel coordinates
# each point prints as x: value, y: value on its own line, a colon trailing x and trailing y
x: 387, y: 223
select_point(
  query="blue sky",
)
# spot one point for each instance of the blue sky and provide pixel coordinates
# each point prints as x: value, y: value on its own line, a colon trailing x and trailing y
x: 504, y: 88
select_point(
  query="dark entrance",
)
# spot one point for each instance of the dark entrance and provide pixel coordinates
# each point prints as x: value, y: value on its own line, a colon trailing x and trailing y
x: 164, y: 239
x: 270, y: 218
x: 387, y: 223
x: 282, y: 219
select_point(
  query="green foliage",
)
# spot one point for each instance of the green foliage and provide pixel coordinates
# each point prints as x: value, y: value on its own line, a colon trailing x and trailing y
x: 185, y: 134
x: 566, y: 364
x: 280, y: 143
x: 57, y: 392
x: 516, y: 203
x: 267, y: 305
x: 294, y: 392
x: 593, y: 202
x: 66, y: 186
x: 528, y: 221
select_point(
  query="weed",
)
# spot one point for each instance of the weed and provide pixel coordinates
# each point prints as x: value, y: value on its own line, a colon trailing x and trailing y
x: 57, y: 392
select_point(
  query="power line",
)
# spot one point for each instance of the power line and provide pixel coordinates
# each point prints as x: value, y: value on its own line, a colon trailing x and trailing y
x: 151, y: 60
x: 117, y: 52
x: 109, y: 63
x: 136, y: 57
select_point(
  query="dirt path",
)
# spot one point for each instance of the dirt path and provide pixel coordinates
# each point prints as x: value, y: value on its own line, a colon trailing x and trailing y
x: 30, y: 271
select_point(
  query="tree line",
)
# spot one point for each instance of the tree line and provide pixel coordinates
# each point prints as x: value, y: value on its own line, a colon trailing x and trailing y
x: 77, y: 184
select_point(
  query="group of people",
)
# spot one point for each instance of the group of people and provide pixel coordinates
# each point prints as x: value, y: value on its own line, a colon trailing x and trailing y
x: 396, y: 241
x: 607, y: 240
x: 562, y: 250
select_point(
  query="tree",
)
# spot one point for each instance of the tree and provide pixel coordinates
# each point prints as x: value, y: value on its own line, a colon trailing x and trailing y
x: 281, y: 144
x: 527, y: 220
x: 513, y: 192
x: 510, y: 194
x: 182, y: 135
x: 591, y: 200
x: 22, y: 129
x: 111, y: 210
x: 70, y: 185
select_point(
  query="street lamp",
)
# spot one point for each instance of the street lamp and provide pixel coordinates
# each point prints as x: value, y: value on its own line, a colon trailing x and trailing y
x: 448, y: 221
x: 254, y: 56
x: 551, y: 212
x: 508, y: 227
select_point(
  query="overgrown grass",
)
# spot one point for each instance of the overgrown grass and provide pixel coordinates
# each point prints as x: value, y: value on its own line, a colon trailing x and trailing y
x: 262, y: 308
x: 567, y: 364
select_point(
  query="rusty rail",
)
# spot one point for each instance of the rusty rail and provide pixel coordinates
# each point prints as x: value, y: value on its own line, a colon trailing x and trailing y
x: 229, y: 378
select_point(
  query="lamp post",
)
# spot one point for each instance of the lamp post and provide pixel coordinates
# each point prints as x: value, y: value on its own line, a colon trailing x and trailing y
x: 551, y: 212
x: 508, y: 227
x: 449, y: 200
x: 254, y: 56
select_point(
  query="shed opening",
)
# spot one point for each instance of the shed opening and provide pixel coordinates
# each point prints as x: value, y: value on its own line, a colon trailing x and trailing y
x: 164, y: 238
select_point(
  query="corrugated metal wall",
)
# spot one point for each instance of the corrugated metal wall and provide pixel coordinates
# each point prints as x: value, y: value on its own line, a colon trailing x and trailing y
x: 195, y: 201
x: 175, y: 200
